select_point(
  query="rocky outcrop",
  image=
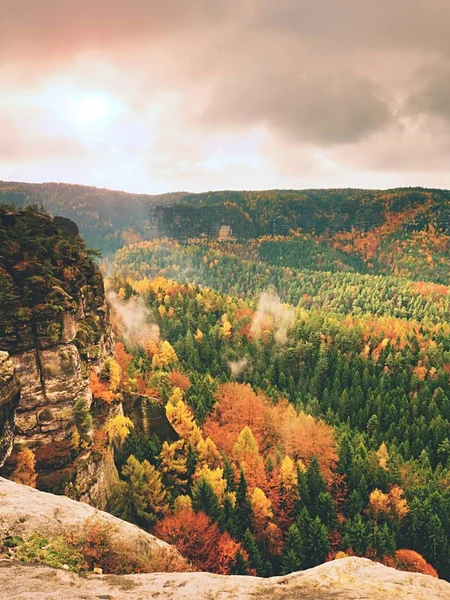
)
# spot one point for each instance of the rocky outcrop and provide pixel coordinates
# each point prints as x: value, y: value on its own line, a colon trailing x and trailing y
x: 54, y: 322
x: 25, y: 511
x: 344, y: 579
x: 9, y: 399
x: 148, y: 416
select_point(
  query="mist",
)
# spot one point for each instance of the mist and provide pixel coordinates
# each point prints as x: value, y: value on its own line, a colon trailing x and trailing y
x: 283, y: 316
x: 132, y: 320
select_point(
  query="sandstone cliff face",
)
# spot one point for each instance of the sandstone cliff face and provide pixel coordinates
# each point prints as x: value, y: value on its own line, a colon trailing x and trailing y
x: 9, y: 398
x: 54, y: 322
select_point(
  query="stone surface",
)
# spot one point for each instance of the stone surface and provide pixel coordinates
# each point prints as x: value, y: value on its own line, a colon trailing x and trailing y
x: 24, y: 510
x: 9, y: 398
x: 345, y: 579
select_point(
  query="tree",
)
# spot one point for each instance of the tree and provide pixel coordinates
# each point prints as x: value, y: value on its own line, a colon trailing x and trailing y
x: 293, y: 557
x: 118, y: 428
x: 140, y: 497
x: 316, y: 545
x: 200, y: 541
x: 205, y: 500
x: 316, y: 484
x: 83, y: 421
x: 243, y: 507
x: 356, y: 536
x: 255, y: 561
x: 25, y: 471
x: 173, y: 463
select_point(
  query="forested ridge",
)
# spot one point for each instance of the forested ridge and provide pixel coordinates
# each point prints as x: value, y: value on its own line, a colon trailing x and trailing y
x: 345, y: 218
x: 305, y: 374
x: 309, y: 382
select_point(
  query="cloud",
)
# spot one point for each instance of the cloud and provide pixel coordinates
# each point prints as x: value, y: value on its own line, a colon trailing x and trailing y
x: 237, y: 367
x: 227, y: 93
x: 322, y: 110
x: 432, y: 98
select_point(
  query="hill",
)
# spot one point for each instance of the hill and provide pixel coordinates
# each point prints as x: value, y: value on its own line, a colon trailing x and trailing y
x: 364, y: 221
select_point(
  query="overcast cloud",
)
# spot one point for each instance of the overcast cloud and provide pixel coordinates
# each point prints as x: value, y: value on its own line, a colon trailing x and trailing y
x: 158, y: 96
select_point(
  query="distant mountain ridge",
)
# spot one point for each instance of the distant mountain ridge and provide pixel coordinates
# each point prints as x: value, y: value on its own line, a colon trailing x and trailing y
x: 110, y: 219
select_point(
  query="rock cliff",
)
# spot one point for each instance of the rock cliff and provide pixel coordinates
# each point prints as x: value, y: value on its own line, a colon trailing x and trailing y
x: 9, y: 399
x: 344, y: 579
x: 54, y: 323
x: 25, y: 511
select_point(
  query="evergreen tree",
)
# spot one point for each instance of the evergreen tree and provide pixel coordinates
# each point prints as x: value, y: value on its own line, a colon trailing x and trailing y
x: 316, y: 545
x: 205, y: 500
x: 293, y: 558
x: 254, y: 556
x: 243, y: 507
x: 316, y: 484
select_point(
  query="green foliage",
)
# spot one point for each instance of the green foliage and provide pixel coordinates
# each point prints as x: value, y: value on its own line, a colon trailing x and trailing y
x: 55, y: 552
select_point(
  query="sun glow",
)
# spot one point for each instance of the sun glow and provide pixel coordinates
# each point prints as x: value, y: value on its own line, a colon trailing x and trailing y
x: 88, y: 109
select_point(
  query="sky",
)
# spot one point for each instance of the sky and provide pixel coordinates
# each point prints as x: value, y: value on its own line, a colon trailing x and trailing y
x: 166, y: 95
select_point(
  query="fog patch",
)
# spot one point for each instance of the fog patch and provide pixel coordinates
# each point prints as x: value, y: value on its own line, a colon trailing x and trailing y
x: 282, y: 315
x: 132, y: 320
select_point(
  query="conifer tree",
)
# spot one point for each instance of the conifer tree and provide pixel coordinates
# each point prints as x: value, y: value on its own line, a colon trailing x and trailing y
x: 254, y: 556
x: 243, y: 507
x: 316, y: 545
x: 205, y: 500
x: 293, y: 558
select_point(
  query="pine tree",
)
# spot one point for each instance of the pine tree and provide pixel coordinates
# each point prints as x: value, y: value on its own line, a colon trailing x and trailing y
x: 227, y: 521
x: 205, y: 500
x: 356, y: 536
x: 243, y: 507
x: 316, y: 484
x: 316, y: 545
x: 326, y: 510
x: 229, y: 474
x: 293, y: 557
x: 254, y: 556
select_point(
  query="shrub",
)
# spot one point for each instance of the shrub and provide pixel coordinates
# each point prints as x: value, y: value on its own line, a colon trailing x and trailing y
x: 91, y: 546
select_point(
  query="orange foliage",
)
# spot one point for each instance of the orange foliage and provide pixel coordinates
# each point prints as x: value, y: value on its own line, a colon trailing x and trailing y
x: 100, y: 441
x: 25, y: 471
x: 179, y: 380
x: 99, y: 388
x: 413, y: 562
x: 200, y: 541
x: 275, y: 427
x: 238, y: 406
x: 124, y: 359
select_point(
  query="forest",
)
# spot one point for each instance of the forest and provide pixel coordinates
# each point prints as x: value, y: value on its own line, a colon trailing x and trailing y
x: 308, y: 383
x: 304, y: 376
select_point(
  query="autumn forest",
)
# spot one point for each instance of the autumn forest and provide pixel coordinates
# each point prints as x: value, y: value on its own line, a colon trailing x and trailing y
x: 296, y: 347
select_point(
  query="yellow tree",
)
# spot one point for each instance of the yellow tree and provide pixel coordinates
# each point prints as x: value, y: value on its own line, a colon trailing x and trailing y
x: 118, y: 428
x: 167, y: 354
x: 246, y: 453
x: 288, y: 473
x: 25, y: 471
x: 214, y: 477
x: 156, y: 494
x: 173, y: 462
